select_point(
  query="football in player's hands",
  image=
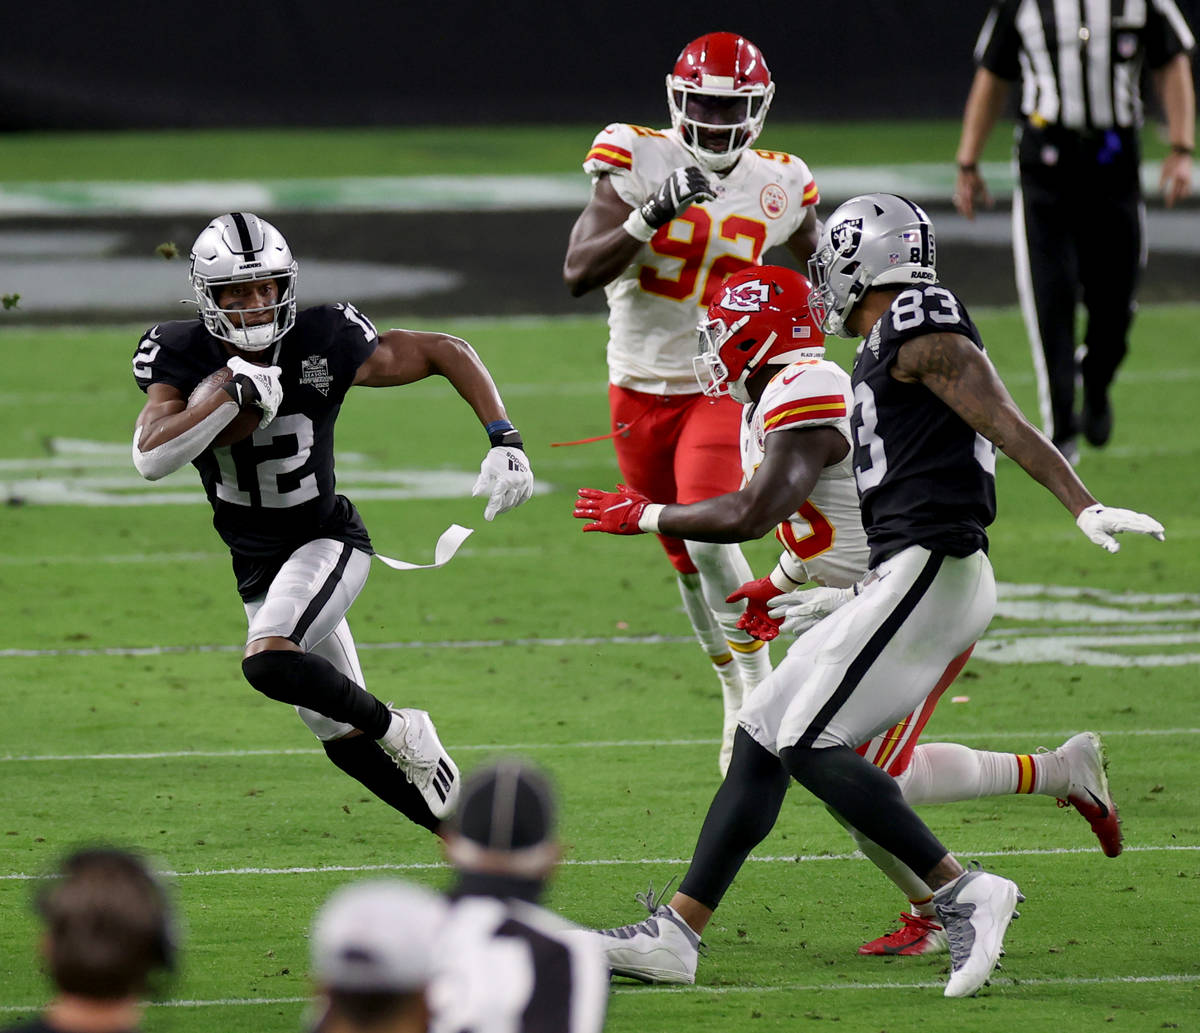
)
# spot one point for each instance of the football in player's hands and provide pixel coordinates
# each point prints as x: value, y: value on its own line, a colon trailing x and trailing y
x: 242, y: 425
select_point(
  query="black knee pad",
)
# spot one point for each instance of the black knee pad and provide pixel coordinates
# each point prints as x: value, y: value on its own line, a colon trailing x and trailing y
x: 276, y: 674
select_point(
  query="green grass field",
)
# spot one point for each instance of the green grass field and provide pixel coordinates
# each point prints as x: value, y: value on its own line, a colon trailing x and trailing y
x: 128, y: 721
x: 461, y: 150
x: 232, y: 154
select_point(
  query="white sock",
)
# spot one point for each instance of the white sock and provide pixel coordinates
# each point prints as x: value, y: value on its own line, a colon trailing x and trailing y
x: 732, y: 691
x: 943, y: 772
x: 709, y: 633
x: 723, y: 569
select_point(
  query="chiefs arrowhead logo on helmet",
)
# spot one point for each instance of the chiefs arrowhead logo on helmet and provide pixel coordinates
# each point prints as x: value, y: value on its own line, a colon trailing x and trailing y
x: 759, y: 317
x: 749, y: 296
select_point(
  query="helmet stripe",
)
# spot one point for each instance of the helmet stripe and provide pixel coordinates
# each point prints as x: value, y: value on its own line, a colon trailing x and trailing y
x: 239, y: 220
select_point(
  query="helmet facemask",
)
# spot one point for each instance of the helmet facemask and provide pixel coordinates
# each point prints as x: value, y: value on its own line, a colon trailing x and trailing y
x: 710, y: 368
x: 716, y: 121
x: 227, y: 324
x: 242, y: 248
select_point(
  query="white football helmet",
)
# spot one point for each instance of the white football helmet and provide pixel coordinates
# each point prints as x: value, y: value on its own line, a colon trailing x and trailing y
x: 235, y: 248
x: 876, y: 240
x: 718, y: 93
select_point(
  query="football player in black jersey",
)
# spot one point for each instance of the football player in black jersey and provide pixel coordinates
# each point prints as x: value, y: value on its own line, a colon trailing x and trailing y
x: 300, y: 550
x: 929, y: 412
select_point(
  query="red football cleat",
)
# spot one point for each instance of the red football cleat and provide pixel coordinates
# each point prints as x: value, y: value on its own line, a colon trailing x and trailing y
x: 917, y: 935
x: 1088, y: 793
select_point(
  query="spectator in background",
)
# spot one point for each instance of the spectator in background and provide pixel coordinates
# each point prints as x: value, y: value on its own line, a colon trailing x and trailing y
x: 108, y: 930
x: 506, y: 965
x: 372, y: 957
x: 1078, y: 214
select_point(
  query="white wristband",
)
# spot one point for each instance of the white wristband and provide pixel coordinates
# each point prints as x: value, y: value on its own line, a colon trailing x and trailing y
x: 637, y: 227
x: 649, y: 518
x: 791, y: 569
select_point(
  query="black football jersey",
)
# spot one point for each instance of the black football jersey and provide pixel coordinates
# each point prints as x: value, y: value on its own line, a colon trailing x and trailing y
x: 274, y: 490
x: 924, y: 476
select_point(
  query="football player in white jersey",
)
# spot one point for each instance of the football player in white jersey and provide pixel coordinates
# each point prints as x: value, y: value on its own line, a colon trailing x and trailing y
x: 758, y: 324
x: 672, y: 213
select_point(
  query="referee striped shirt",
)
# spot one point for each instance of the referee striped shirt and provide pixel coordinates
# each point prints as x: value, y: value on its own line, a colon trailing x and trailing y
x: 507, y: 966
x: 1080, y: 61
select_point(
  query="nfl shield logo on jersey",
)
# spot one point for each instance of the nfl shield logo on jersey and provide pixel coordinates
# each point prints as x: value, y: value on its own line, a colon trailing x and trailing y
x: 314, y: 371
x: 846, y: 236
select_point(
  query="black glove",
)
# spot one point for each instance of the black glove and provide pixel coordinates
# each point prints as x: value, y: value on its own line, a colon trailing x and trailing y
x: 681, y: 188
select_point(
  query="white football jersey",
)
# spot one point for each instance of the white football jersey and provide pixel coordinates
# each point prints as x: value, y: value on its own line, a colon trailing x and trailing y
x: 826, y: 533
x: 656, y: 303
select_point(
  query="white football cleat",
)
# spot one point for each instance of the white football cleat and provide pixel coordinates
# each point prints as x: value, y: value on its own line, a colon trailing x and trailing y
x: 1087, y: 789
x: 661, y: 949
x: 975, y: 910
x: 412, y: 742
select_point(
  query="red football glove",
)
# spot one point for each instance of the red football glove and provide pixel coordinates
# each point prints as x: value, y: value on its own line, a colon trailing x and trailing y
x: 616, y: 512
x: 756, y: 620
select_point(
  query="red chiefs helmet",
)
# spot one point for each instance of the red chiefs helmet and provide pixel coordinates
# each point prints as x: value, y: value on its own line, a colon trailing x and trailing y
x: 718, y: 94
x: 759, y: 316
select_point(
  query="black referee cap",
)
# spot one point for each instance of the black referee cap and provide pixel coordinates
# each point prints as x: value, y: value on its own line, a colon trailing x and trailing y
x: 506, y: 814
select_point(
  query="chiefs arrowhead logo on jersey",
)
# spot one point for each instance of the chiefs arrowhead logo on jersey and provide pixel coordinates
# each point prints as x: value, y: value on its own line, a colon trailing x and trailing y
x: 746, y: 297
x: 846, y: 236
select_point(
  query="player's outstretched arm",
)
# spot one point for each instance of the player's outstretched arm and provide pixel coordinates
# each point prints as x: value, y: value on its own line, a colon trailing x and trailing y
x: 792, y: 462
x: 406, y: 356
x: 964, y: 378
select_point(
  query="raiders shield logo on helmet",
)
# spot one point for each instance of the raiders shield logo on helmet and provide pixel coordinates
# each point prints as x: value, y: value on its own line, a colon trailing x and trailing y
x: 746, y: 297
x: 846, y: 237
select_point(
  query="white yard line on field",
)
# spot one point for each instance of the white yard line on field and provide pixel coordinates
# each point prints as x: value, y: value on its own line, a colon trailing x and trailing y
x: 1009, y: 646
x: 613, y: 744
x: 619, y: 862
x: 995, y: 982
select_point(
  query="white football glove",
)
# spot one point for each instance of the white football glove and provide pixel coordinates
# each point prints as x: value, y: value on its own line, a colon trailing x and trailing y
x: 264, y: 383
x: 802, y: 609
x: 505, y: 477
x: 1101, y: 522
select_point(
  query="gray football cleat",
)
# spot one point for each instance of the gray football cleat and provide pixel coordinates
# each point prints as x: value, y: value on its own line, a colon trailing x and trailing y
x: 660, y: 949
x: 975, y: 910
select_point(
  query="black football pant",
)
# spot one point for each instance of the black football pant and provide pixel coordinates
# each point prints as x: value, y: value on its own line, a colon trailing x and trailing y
x: 1077, y: 236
